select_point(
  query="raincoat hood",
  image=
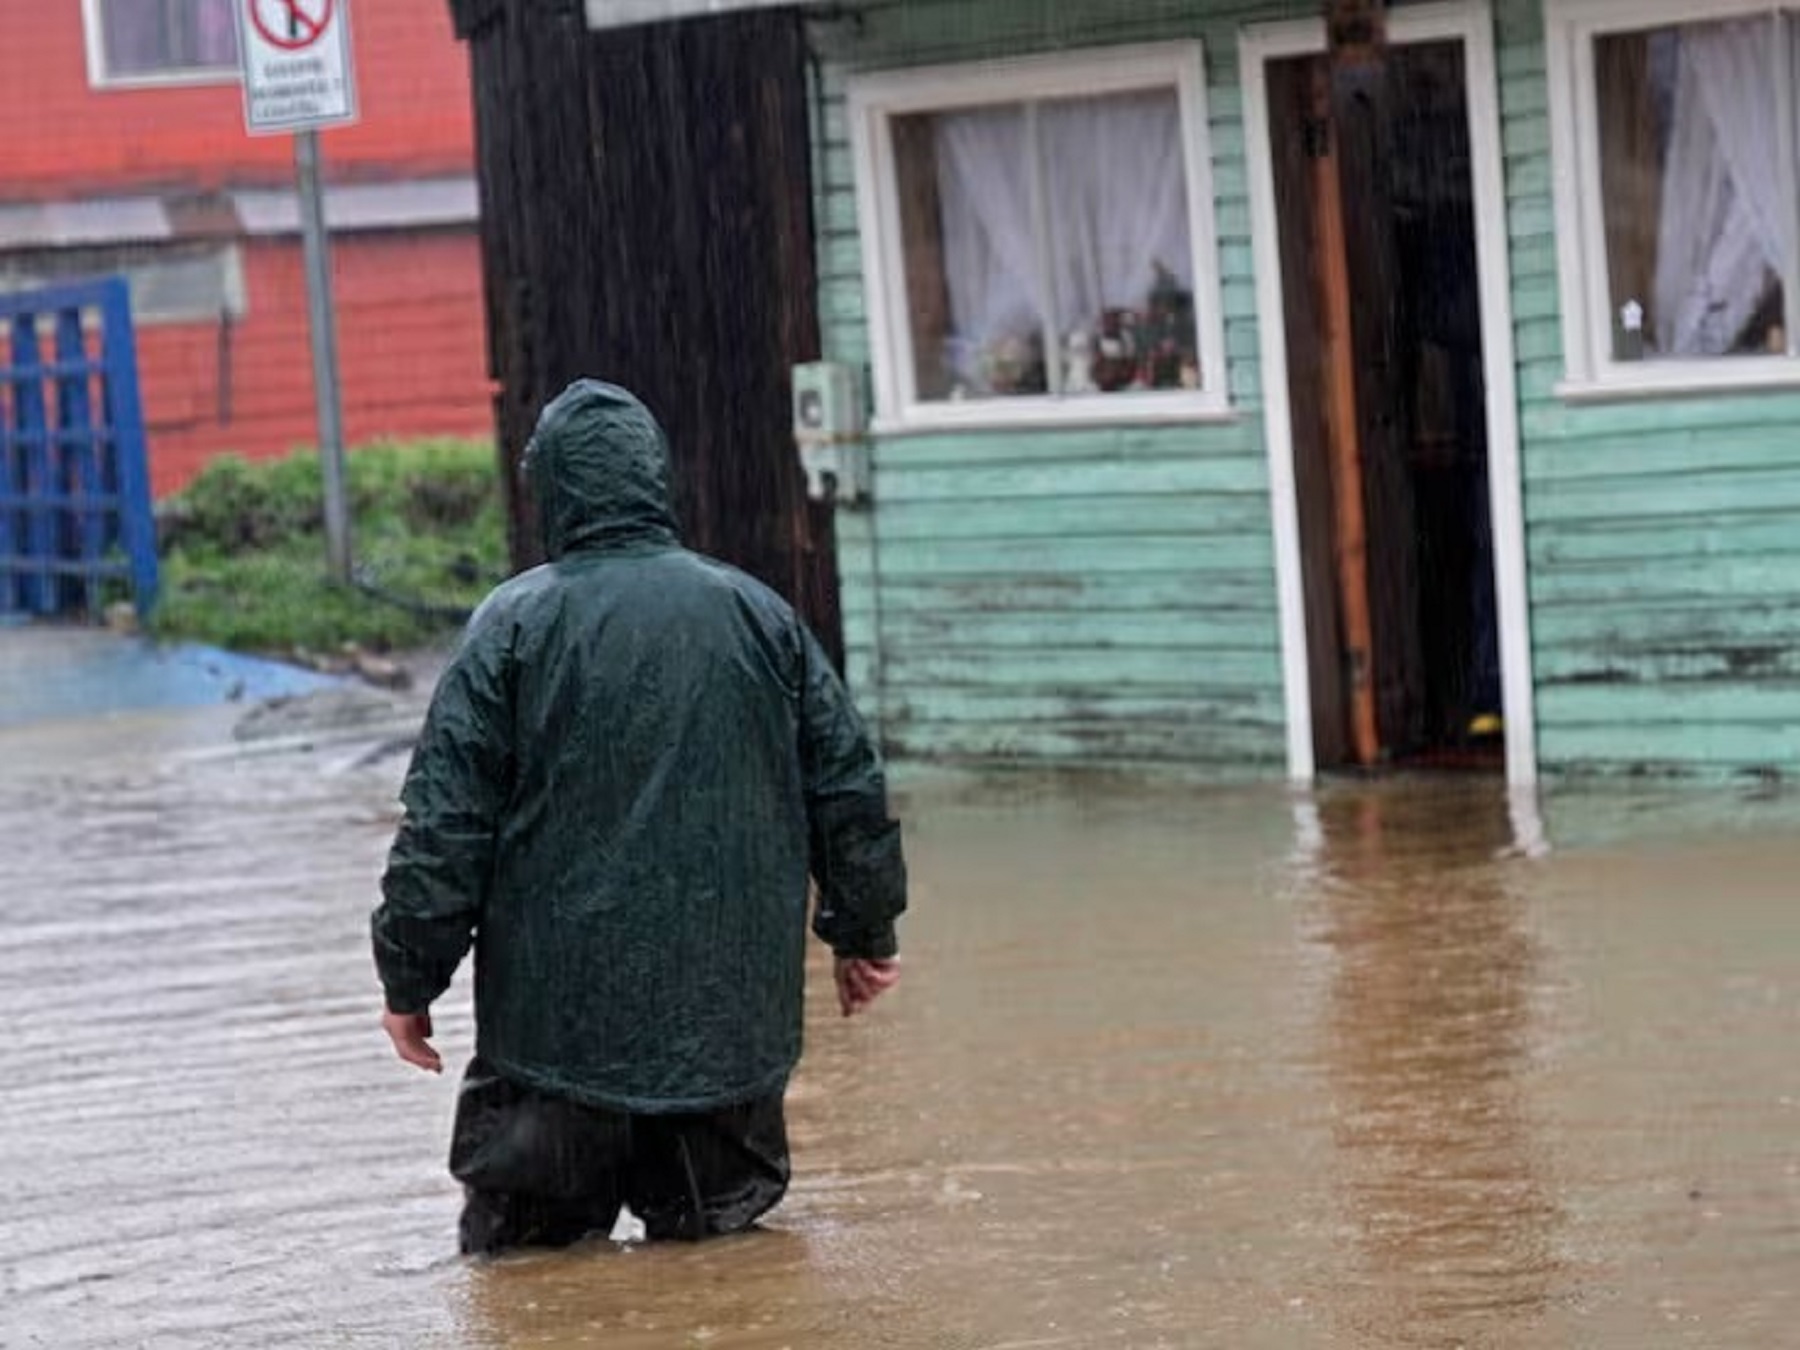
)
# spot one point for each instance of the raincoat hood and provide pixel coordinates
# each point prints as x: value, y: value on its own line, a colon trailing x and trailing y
x: 599, y: 466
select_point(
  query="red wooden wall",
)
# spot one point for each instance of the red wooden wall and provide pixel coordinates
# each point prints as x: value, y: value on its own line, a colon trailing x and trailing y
x: 411, y: 329
x: 65, y: 139
x: 410, y: 355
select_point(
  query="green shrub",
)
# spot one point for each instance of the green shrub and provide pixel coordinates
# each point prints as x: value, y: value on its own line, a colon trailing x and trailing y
x: 244, y: 549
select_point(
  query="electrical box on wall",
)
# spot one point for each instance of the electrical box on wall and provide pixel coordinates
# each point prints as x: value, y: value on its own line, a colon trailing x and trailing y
x: 830, y: 432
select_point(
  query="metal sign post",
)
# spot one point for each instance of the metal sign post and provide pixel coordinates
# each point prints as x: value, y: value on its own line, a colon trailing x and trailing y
x: 298, y: 77
x: 322, y: 321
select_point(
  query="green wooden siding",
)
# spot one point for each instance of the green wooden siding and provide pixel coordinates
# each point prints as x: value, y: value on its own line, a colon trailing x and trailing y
x: 1663, y: 535
x: 1106, y: 594
x: 1098, y: 594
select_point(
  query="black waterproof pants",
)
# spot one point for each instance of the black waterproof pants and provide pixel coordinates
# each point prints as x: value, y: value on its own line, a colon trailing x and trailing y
x: 542, y: 1171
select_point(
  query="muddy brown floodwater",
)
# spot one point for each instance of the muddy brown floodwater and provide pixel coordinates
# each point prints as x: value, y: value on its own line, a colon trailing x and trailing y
x: 1171, y: 1067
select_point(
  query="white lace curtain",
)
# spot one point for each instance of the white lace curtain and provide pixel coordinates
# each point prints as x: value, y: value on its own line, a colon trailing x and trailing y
x: 990, y: 261
x: 1115, y: 192
x: 1722, y: 242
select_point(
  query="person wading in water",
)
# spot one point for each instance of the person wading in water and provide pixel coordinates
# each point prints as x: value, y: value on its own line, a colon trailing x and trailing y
x: 630, y: 769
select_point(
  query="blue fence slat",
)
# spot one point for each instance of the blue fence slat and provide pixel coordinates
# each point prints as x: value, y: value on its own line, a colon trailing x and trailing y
x: 84, y: 528
x: 125, y: 415
x: 73, y: 568
x: 10, y: 502
x: 49, y: 299
x: 63, y: 501
x: 44, y: 370
x: 14, y: 521
x: 75, y: 511
x: 31, y: 427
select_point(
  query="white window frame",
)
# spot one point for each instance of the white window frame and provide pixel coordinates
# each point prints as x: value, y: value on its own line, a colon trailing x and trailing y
x: 1590, y: 369
x: 99, y: 77
x: 874, y: 100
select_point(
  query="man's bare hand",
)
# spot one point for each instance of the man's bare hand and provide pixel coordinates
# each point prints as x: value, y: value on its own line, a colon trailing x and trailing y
x: 410, y: 1033
x: 861, y: 982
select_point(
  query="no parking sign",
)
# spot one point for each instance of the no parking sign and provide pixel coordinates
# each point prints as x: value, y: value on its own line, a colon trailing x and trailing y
x: 297, y: 68
x: 298, y: 78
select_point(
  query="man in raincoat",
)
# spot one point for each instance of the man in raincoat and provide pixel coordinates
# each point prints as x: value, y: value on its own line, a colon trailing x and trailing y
x: 629, y: 771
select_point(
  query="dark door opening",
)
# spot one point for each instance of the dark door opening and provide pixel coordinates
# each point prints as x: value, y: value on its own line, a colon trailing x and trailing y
x: 1375, y: 197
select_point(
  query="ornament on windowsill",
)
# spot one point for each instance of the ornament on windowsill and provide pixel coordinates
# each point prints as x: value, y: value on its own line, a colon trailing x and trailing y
x: 1078, y: 366
x: 1168, y: 334
x: 1117, y: 366
x: 1631, y: 331
x: 1014, y: 364
x: 1152, y: 347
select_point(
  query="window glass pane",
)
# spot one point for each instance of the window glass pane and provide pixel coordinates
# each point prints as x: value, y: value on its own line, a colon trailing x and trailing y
x: 1697, y: 234
x: 1091, y: 291
x: 970, y: 253
x: 1122, y: 254
x: 154, y: 37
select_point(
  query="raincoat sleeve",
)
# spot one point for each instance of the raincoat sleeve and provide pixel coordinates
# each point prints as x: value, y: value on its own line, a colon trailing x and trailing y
x: 443, y: 855
x: 855, y: 845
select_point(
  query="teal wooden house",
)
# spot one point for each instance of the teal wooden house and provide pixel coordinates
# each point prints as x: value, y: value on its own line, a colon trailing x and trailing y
x: 1265, y: 391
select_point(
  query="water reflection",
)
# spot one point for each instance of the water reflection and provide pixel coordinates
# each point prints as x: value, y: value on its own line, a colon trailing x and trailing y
x: 1427, y: 1041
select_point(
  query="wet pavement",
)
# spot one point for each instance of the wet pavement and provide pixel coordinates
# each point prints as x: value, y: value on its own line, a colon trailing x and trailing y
x: 55, y: 672
x: 1383, y: 1066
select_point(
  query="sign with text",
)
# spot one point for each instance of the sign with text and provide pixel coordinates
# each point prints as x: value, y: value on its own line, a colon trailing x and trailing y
x: 298, y: 74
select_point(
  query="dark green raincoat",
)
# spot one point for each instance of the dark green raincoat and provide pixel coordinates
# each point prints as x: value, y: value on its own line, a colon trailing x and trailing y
x: 627, y: 773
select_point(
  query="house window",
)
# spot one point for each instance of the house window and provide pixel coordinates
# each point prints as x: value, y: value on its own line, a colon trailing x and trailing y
x: 1681, y: 242
x: 1038, y: 239
x: 161, y: 41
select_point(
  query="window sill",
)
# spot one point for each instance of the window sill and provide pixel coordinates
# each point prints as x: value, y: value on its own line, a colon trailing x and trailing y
x: 173, y: 79
x: 1682, y: 379
x: 1045, y: 414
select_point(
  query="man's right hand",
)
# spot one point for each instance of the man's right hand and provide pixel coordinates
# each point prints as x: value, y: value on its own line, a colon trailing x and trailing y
x: 860, y: 982
x: 410, y: 1034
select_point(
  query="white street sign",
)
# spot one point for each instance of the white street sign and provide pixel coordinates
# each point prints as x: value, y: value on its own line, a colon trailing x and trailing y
x: 297, y: 69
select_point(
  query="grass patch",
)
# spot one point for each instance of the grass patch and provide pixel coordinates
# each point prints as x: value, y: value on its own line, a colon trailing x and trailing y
x: 244, y: 550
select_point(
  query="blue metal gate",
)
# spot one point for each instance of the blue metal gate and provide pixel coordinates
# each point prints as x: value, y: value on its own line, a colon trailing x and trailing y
x: 75, y: 522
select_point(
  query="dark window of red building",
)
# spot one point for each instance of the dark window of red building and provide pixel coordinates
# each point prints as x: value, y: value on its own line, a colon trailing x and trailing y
x: 148, y: 39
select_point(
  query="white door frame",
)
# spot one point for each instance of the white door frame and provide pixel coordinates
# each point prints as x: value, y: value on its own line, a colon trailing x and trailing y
x: 1469, y: 22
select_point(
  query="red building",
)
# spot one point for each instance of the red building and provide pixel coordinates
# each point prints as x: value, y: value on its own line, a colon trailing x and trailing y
x: 126, y: 152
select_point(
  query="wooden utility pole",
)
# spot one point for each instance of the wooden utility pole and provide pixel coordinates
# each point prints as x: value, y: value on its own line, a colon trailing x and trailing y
x: 1342, y: 95
x: 1357, y: 32
x: 1337, y: 359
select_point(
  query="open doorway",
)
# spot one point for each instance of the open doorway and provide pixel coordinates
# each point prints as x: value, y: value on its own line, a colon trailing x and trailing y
x: 1374, y: 196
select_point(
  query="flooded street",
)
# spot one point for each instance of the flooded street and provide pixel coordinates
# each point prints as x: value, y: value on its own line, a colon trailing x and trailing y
x: 1385, y: 1066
